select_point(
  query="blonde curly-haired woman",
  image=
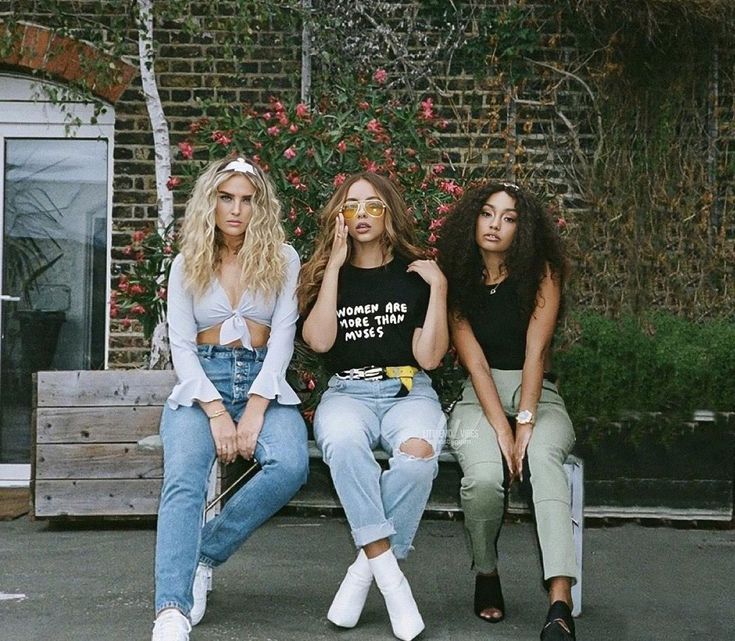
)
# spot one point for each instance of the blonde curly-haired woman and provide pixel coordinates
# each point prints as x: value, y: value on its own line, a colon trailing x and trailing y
x: 232, y: 318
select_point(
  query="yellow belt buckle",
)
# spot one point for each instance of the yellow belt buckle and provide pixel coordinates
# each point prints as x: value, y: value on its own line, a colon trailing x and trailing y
x: 404, y: 373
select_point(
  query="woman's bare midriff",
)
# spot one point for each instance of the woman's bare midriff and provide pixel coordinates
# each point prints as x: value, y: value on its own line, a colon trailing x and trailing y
x: 259, y: 335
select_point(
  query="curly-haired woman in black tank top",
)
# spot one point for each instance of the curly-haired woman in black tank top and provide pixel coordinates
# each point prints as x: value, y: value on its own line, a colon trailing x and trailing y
x: 505, y: 264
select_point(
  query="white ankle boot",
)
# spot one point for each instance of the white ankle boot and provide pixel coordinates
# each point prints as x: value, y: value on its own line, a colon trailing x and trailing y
x: 201, y: 585
x: 405, y: 618
x: 350, y: 598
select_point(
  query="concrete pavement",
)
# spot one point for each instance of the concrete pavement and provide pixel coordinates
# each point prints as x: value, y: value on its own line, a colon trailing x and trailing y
x: 84, y: 583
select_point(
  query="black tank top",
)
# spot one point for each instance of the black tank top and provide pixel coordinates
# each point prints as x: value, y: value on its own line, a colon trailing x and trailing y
x: 498, y: 327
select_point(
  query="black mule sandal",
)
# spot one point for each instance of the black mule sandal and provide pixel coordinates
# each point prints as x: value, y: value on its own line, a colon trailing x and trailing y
x: 488, y: 594
x: 559, y: 624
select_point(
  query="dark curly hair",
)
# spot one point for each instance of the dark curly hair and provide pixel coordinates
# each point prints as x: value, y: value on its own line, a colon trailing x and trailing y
x: 536, y: 246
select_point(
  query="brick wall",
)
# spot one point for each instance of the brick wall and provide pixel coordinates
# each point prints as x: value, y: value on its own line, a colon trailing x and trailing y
x: 521, y: 136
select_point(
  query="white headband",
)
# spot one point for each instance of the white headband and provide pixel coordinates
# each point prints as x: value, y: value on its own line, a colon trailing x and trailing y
x: 240, y: 165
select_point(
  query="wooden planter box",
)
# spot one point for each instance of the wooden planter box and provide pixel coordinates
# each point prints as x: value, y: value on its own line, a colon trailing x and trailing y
x: 86, y: 460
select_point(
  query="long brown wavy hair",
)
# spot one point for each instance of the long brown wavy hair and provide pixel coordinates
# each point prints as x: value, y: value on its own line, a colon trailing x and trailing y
x: 398, y: 239
x: 536, y: 248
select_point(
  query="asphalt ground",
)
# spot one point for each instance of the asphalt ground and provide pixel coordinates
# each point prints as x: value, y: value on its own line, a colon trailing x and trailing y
x: 93, y: 582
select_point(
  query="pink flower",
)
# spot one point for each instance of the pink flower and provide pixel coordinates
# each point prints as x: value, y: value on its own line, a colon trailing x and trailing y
x: 290, y: 153
x: 442, y: 124
x: 221, y: 138
x: 298, y: 232
x: 173, y: 182
x: 451, y: 187
x: 372, y: 166
x: 427, y: 109
x: 438, y: 169
x: 374, y: 126
x: 122, y: 284
x: 277, y: 105
x: 168, y: 250
x: 292, y: 215
x: 341, y: 146
x: 187, y: 150
x: 126, y: 323
x: 561, y: 223
x: 137, y: 289
x: 272, y: 131
x: 444, y: 208
x: 127, y: 250
x: 364, y: 106
x: 302, y: 111
x: 114, y: 311
x: 410, y: 152
x: 257, y: 145
x: 310, y: 384
x: 138, y: 236
x: 436, y: 224
x: 380, y: 76
x: 293, y: 129
x: 267, y: 115
x: 431, y: 239
x: 283, y: 119
x: 137, y: 309
x: 161, y: 293
x: 339, y: 179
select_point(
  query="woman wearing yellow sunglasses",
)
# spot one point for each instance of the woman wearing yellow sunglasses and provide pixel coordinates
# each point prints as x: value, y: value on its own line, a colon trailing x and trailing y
x: 377, y: 311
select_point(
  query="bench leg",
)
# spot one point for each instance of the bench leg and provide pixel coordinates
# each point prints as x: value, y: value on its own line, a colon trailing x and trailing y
x: 212, y: 492
x: 575, y: 473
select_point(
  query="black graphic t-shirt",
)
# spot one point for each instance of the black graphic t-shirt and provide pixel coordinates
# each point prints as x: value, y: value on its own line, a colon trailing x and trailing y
x: 378, y: 310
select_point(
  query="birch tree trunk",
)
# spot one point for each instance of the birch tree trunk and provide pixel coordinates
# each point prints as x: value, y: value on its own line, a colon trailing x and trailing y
x: 160, y: 353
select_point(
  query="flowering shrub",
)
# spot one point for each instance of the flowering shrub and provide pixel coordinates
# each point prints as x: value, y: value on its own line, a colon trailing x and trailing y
x: 308, y: 153
x: 141, y: 290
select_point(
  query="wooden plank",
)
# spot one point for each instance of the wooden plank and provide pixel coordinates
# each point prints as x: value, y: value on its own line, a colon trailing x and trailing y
x: 82, y: 388
x: 96, y: 424
x: 97, y: 498
x: 97, y: 461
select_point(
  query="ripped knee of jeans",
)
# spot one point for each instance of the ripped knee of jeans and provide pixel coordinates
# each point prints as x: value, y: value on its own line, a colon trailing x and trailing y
x: 416, y: 447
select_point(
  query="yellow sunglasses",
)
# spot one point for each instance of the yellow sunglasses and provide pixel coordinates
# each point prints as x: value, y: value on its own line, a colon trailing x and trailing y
x: 373, y: 207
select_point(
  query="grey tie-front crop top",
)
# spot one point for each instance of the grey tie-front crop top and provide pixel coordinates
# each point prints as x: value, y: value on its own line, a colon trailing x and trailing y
x: 189, y: 315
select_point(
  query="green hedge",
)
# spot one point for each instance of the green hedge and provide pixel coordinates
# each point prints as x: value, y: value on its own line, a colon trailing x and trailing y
x: 657, y: 363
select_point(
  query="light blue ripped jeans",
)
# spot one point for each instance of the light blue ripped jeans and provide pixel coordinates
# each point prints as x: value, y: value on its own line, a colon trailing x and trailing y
x: 188, y: 455
x: 356, y: 416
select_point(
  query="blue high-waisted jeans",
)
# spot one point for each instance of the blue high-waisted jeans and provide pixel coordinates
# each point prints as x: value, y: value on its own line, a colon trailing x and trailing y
x: 356, y: 416
x: 188, y: 456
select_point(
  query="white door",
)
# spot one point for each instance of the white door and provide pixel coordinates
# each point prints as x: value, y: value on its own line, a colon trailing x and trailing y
x: 55, y: 208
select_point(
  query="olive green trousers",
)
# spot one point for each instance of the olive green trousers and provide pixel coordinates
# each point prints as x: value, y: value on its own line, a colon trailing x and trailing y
x: 483, y: 489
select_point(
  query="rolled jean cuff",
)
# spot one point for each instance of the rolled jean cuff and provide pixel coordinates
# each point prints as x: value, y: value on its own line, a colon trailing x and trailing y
x: 167, y: 605
x: 371, y: 533
x: 209, y: 561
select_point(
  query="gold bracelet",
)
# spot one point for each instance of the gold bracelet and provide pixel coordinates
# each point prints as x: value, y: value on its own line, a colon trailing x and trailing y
x: 217, y: 413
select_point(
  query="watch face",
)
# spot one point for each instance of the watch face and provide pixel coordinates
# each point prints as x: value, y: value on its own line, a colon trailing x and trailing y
x: 524, y: 416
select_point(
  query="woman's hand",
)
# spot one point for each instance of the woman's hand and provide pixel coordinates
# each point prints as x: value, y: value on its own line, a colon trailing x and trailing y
x: 250, y: 424
x: 429, y: 271
x: 225, y: 437
x: 339, y: 246
x: 523, y: 436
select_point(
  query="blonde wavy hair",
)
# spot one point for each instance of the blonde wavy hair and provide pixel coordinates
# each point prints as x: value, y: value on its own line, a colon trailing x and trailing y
x: 399, y: 237
x: 261, y: 258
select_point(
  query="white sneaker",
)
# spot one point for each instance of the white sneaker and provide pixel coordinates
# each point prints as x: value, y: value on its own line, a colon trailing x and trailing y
x: 171, y: 625
x: 201, y: 585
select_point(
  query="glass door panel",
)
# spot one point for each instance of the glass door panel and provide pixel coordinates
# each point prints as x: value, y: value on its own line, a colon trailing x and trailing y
x: 53, y: 271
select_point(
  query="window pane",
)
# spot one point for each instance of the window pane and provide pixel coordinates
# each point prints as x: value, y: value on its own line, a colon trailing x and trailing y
x: 54, y: 260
